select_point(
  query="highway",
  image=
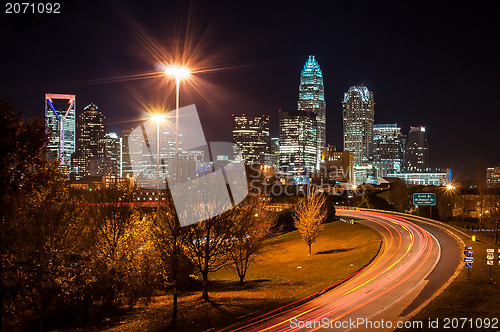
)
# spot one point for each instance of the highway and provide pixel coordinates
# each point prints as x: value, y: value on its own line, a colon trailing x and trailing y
x: 415, y: 261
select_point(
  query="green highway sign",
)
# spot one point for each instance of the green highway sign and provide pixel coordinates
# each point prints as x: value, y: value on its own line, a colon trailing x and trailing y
x: 424, y: 199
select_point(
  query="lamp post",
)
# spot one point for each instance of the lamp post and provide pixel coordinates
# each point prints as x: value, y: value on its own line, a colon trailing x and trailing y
x: 158, y: 118
x: 178, y: 73
x: 451, y: 187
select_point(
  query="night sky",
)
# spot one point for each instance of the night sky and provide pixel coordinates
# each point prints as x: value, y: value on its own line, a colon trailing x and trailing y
x: 435, y: 65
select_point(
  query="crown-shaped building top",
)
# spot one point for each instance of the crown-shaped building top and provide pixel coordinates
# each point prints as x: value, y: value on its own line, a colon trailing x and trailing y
x: 363, y: 91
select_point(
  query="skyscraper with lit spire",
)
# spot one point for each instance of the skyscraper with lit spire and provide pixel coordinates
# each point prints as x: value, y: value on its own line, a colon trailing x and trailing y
x: 312, y: 99
x: 60, y: 114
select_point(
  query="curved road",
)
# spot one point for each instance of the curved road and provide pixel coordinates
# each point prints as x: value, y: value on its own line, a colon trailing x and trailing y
x: 416, y: 259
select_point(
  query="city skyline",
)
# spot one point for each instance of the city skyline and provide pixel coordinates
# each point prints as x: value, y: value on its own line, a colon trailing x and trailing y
x: 378, y: 150
x: 439, y: 89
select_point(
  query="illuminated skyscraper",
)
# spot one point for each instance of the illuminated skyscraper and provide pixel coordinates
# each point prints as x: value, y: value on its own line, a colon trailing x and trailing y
x: 139, y: 152
x: 275, y: 145
x: 113, y: 153
x: 417, y: 150
x: 387, y: 156
x: 90, y: 131
x: 312, y: 99
x: 251, y: 134
x: 358, y: 113
x: 126, y: 165
x: 403, y: 151
x: 297, y: 144
x: 109, y: 162
x: 60, y: 112
x: 274, y: 151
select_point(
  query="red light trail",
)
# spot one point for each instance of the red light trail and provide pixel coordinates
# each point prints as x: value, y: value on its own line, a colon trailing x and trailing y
x: 381, y: 290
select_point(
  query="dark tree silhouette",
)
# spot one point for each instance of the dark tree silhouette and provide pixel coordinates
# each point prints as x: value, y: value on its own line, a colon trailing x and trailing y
x: 47, y: 227
x: 22, y: 146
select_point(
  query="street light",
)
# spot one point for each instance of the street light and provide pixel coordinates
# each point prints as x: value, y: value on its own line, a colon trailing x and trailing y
x: 158, y: 117
x: 451, y: 187
x: 178, y: 73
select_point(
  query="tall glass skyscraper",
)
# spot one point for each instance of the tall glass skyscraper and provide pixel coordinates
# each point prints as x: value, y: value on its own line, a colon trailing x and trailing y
x: 417, y: 150
x: 298, y: 147
x: 251, y: 135
x: 358, y: 113
x: 387, y: 154
x: 90, y: 140
x: 113, y: 152
x: 312, y: 99
x: 91, y: 126
x: 60, y: 113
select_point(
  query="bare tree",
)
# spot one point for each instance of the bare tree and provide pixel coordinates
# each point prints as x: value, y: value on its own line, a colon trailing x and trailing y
x: 255, y: 225
x: 309, y: 215
x: 209, y: 243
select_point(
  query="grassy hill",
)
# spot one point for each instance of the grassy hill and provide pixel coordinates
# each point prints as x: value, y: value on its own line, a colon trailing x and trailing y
x: 285, y: 273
